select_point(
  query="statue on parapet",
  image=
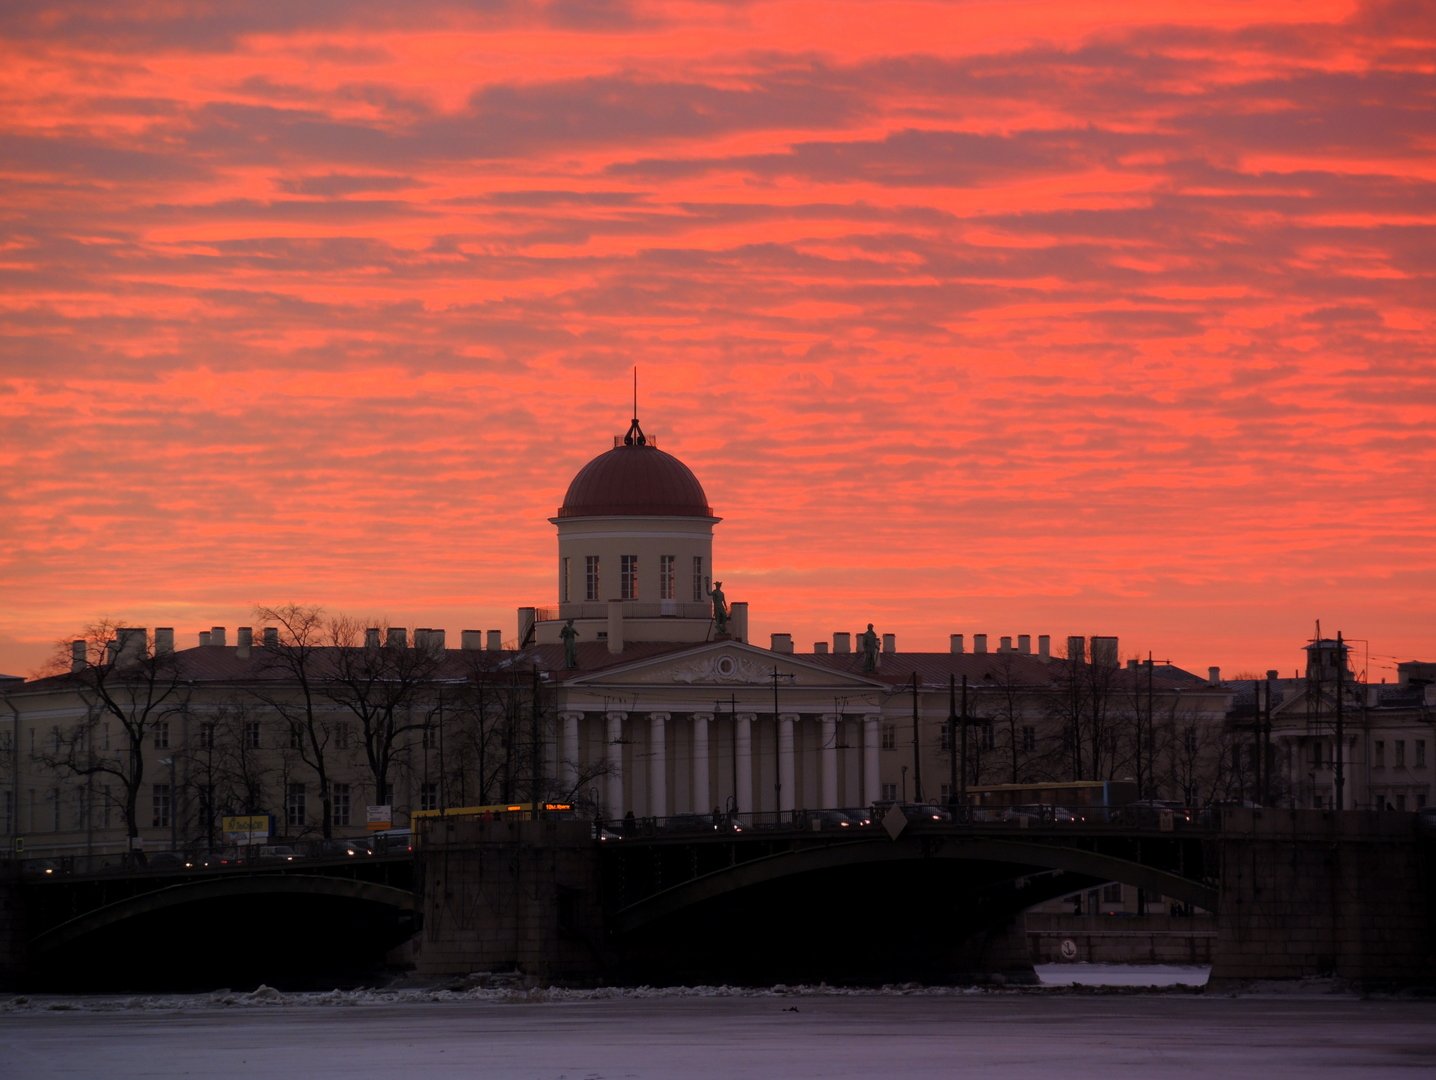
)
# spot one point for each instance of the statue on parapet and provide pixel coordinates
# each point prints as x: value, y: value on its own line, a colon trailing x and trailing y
x: 720, y: 608
x: 870, y: 649
x: 570, y: 644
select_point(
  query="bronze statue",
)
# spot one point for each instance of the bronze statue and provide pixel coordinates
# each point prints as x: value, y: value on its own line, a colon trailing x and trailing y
x: 570, y: 645
x: 870, y: 649
x: 720, y: 607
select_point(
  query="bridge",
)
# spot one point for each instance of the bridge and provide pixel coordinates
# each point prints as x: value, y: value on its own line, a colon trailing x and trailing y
x: 1296, y: 893
x: 172, y: 927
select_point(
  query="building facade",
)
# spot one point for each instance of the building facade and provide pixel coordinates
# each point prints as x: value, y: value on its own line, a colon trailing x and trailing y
x: 634, y: 692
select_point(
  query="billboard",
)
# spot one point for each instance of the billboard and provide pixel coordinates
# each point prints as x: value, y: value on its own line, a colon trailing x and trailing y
x: 248, y: 829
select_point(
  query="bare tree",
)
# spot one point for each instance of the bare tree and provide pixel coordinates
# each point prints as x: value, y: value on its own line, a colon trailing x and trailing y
x: 383, y: 684
x: 120, y: 677
x: 299, y: 654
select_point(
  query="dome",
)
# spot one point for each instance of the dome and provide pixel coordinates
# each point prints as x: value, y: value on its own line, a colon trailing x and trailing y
x: 635, y: 479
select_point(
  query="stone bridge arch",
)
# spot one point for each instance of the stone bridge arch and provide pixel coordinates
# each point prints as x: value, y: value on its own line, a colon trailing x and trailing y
x: 1075, y: 865
x: 220, y: 888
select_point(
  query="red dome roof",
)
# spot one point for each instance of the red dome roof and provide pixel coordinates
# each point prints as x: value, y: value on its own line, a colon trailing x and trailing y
x: 632, y: 480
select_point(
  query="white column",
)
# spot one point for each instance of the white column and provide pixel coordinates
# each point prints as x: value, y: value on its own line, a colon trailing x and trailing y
x: 743, y: 753
x: 787, y: 790
x: 872, y: 787
x: 613, y: 787
x: 829, y: 765
x: 658, y: 764
x: 700, y: 762
x: 568, y: 750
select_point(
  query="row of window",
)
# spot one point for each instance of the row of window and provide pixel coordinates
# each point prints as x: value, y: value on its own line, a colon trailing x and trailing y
x: 1324, y: 754
x: 628, y: 578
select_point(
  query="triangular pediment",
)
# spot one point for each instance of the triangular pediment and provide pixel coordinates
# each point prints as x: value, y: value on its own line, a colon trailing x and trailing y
x: 722, y: 664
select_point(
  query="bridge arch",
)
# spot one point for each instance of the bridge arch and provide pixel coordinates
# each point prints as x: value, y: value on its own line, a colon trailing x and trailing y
x: 232, y: 887
x: 1034, y: 857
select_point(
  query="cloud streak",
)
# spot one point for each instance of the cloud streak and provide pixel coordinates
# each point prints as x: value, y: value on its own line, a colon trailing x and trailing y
x: 1065, y: 323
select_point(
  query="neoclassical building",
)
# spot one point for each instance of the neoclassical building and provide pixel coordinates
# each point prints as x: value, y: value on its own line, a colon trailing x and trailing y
x: 636, y: 692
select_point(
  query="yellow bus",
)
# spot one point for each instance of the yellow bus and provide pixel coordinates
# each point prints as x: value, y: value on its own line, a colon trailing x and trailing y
x: 520, y: 811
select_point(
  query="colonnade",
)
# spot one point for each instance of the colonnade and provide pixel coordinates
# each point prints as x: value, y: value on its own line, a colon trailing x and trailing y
x: 639, y: 781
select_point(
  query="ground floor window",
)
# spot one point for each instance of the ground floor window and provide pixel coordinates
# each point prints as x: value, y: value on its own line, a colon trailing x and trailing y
x: 295, y: 806
x: 340, y: 804
x: 162, y: 798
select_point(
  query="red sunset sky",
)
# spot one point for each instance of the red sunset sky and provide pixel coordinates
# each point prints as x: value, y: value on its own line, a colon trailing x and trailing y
x: 1004, y: 317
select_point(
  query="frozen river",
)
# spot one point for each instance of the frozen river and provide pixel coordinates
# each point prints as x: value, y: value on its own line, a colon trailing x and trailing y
x: 719, y: 1034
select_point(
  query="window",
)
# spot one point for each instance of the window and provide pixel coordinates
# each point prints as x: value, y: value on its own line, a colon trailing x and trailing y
x: 294, y: 805
x: 889, y: 793
x: 946, y: 794
x: 1401, y: 799
x: 1316, y: 754
x: 341, y: 736
x: 1112, y: 893
x: 628, y: 577
x: 889, y: 737
x: 667, y: 577
x: 1029, y: 739
x: 55, y: 809
x: 700, y: 593
x: 340, y: 804
x: 7, y: 812
x: 1189, y: 740
x: 1379, y: 753
x: 163, y: 803
x: 162, y: 734
x: 206, y: 736
x: 1420, y: 746
x: 563, y: 582
x: 296, y: 737
x: 590, y: 563
x: 988, y: 736
x: 251, y: 734
x: 946, y: 744
x: 429, y: 796
x: 429, y: 738
x: 1400, y: 753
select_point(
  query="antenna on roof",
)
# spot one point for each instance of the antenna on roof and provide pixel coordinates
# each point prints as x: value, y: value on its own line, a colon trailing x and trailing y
x: 635, y: 435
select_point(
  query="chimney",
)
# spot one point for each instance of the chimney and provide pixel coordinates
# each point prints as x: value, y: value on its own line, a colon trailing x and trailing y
x: 979, y: 643
x: 889, y: 644
x: 496, y: 641
x: 397, y: 638
x: 77, y: 655
x: 1044, y: 645
x: 436, y: 643
x: 471, y: 640
x: 203, y: 638
x: 164, y: 640
x: 1131, y: 664
x: 132, y: 647
x: 527, y: 617
x: 1005, y: 643
x: 371, y: 637
x: 1214, y: 675
x: 1024, y: 644
x: 782, y: 643
x: 244, y: 643
x: 820, y: 648
x: 1104, y: 651
x: 615, y: 626
x: 1077, y: 648
x: 1271, y: 673
x: 216, y: 636
x: 842, y: 642
x: 738, y: 620
x: 954, y: 643
x: 271, y: 637
x: 421, y: 638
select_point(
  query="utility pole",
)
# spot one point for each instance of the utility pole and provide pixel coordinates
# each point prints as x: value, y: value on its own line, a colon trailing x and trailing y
x: 916, y: 747
x: 952, y: 803
x: 1340, y: 730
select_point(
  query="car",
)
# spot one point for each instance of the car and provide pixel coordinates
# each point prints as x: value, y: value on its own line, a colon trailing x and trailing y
x: 391, y: 842
x: 1158, y: 813
x: 825, y: 819
x: 277, y: 853
x: 1426, y: 820
x: 859, y: 817
x: 924, y: 813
